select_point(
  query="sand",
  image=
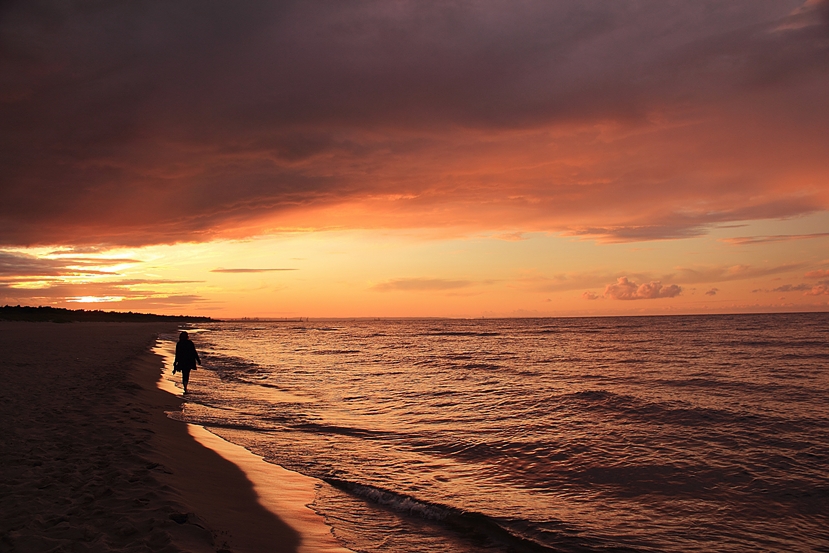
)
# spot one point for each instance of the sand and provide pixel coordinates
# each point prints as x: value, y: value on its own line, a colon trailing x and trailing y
x: 91, y: 462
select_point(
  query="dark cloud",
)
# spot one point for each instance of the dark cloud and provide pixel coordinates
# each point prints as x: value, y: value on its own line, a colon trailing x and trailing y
x: 145, y: 122
x: 712, y: 292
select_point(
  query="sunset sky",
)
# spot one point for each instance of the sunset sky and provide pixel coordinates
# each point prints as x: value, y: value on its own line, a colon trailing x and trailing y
x: 415, y: 158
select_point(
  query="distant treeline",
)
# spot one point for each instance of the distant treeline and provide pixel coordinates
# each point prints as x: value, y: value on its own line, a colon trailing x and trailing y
x: 60, y: 315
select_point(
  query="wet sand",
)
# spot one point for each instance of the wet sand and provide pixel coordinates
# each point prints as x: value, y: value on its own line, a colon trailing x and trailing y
x: 91, y: 462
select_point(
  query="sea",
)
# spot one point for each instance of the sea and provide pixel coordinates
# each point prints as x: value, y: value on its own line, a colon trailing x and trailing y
x: 637, y: 434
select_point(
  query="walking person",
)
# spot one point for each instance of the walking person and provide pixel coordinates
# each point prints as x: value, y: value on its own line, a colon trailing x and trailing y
x: 186, y: 358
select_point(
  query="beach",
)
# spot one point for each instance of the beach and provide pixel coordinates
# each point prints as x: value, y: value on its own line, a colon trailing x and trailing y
x: 91, y: 461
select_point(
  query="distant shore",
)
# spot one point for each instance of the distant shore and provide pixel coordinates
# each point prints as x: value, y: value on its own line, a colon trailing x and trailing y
x: 91, y: 461
x: 60, y: 315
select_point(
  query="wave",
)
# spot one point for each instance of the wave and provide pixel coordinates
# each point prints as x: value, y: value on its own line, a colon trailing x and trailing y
x: 482, y: 366
x: 741, y: 387
x: 627, y: 406
x: 208, y: 424
x: 519, y: 536
x: 323, y: 428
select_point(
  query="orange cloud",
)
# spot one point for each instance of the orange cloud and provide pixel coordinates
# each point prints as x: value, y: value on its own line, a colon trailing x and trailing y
x: 242, y: 270
x: 744, y: 240
x: 420, y: 284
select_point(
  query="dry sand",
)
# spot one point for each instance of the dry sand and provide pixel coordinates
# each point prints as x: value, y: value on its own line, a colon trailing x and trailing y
x: 90, y: 461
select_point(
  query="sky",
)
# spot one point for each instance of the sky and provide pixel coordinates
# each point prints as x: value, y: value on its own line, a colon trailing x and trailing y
x: 415, y: 158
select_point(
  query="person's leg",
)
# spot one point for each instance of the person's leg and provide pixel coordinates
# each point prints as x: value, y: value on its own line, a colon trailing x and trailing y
x: 185, y: 378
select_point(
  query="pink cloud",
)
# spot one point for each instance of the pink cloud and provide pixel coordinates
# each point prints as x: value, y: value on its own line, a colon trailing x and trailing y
x: 821, y: 289
x: 590, y: 296
x: 624, y: 289
x: 819, y: 273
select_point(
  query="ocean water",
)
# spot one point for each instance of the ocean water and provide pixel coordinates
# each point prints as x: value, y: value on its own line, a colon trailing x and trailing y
x: 698, y: 433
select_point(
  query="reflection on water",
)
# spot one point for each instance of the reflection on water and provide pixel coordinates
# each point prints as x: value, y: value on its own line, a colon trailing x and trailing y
x: 651, y: 433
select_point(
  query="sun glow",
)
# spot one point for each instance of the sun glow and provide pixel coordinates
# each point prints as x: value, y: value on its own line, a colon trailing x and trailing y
x: 432, y: 272
x: 32, y: 284
x: 95, y: 299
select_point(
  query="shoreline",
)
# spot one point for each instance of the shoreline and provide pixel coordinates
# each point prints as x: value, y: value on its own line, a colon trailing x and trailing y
x: 92, y: 462
x: 283, y: 493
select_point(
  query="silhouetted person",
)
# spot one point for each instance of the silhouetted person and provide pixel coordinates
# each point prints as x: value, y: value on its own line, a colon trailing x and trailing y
x: 186, y: 358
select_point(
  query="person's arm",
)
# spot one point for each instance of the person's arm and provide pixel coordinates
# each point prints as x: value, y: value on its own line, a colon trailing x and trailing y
x: 196, y: 354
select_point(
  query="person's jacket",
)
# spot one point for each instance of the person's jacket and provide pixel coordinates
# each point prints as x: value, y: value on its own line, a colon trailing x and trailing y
x: 186, y: 356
